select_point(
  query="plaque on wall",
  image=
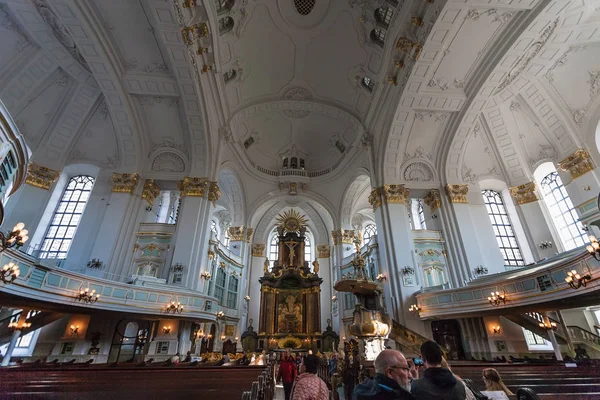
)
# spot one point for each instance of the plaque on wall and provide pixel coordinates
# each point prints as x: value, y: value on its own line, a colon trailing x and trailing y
x: 500, y: 345
x: 408, y: 280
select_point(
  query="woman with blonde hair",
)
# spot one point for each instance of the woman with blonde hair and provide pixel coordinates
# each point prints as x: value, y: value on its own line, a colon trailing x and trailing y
x: 493, y: 382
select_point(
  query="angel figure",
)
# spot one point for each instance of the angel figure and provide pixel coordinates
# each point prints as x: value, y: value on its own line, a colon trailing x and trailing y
x: 316, y: 267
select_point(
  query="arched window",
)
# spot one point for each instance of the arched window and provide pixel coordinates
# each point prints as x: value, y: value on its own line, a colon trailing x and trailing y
x: 421, y: 214
x: 232, y: 290
x: 220, y: 285
x: 418, y: 216
x: 369, y: 231
x: 505, y: 235
x: 273, y: 247
x: 368, y: 83
x: 307, y: 249
x: 223, y: 6
x: 562, y: 211
x: 225, y: 25
x: 66, y: 217
x: 229, y: 75
x: 378, y: 36
x: 383, y: 16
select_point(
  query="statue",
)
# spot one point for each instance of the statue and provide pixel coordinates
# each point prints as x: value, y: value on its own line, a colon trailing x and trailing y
x: 291, y: 246
x: 316, y: 267
x: 267, y: 264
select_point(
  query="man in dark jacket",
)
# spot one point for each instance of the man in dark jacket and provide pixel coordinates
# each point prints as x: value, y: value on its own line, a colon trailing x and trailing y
x: 287, y: 373
x: 391, y: 380
x: 436, y: 383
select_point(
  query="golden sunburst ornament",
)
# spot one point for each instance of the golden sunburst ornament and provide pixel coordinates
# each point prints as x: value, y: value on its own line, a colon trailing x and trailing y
x: 291, y: 220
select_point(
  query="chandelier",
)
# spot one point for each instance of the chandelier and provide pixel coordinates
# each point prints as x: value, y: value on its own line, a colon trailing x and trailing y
x: 414, y: 309
x: 594, y: 247
x: 17, y: 237
x: 548, y: 325
x: 88, y: 297
x: 175, y: 308
x: 9, y: 272
x: 15, y: 326
x: 496, y: 298
x: 575, y: 280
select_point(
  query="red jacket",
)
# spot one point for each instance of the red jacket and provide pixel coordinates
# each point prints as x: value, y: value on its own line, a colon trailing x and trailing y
x: 287, y: 370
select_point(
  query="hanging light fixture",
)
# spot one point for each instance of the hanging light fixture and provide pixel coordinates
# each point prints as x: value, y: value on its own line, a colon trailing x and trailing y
x: 548, y: 325
x: 17, y: 237
x: 594, y: 247
x: 575, y: 280
x: 174, y: 307
x: 414, y: 309
x: 496, y: 299
x: 87, y: 297
x: 9, y: 272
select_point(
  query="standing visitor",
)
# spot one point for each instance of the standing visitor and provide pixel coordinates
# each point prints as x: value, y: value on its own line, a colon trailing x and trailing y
x: 309, y: 386
x: 287, y: 373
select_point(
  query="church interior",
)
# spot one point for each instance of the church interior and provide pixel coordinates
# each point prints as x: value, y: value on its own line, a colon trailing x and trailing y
x: 195, y: 180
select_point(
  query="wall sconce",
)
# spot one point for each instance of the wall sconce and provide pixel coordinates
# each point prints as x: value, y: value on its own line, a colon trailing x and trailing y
x: 575, y: 280
x: 433, y: 216
x: 480, y: 270
x: 94, y: 263
x: 408, y: 270
x: 17, y: 237
x: 334, y: 298
x: 545, y: 245
x: 223, y: 338
x: 177, y: 267
x: 236, y: 339
x: 148, y: 208
x: 205, y: 275
x: 548, y: 325
x: 74, y: 329
x: 587, y: 188
x: 496, y: 298
x: 414, y: 309
x: 166, y: 329
x: 87, y: 297
x: 593, y: 248
x: 496, y: 329
x: 247, y: 298
x: 220, y: 315
x: 381, y: 277
x: 14, y: 326
x: 344, y: 338
x: 9, y: 272
x: 174, y: 308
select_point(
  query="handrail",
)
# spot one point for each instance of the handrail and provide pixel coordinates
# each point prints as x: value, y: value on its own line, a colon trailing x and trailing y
x: 584, y: 330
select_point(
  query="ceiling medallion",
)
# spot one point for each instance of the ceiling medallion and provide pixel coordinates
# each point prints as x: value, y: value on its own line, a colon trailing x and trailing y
x: 304, y: 7
x: 291, y: 220
x: 297, y: 94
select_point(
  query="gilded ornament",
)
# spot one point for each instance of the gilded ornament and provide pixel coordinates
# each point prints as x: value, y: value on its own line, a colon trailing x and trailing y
x: 151, y: 191
x: 41, y: 177
x: 291, y: 220
x: 396, y: 194
x: 416, y: 21
x: 193, y: 187
x: 258, y: 250
x: 457, y: 193
x: 202, y: 50
x: 191, y: 33
x: 578, y: 164
x: 375, y: 198
x: 236, y: 233
x: 433, y: 200
x: 524, y: 193
x: 399, y: 63
x: 336, y: 236
x: 392, y: 80
x: 124, y: 183
x: 350, y: 236
x: 405, y: 44
x: 214, y: 193
x: 206, y: 68
x: 189, y: 3
x: 249, y: 232
x: 323, y: 251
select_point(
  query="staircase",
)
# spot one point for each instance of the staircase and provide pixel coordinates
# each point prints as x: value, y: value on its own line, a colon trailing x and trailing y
x: 531, y: 320
x: 585, y: 339
x: 38, y: 319
x: 409, y: 341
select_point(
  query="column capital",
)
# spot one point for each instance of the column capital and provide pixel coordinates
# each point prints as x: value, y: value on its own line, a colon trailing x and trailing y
x: 323, y: 251
x: 524, y: 193
x: 193, y: 187
x: 124, y: 183
x: 390, y: 194
x: 348, y: 236
x: 375, y: 200
x: 40, y: 176
x: 433, y: 200
x: 578, y: 164
x: 258, y: 250
x: 239, y: 233
x: 151, y: 191
x: 457, y: 193
x: 336, y: 236
x: 214, y: 192
x: 249, y: 232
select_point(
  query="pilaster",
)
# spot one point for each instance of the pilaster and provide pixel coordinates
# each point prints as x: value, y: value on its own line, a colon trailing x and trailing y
x: 531, y: 213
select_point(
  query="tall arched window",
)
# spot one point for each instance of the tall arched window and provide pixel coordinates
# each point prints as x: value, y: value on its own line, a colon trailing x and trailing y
x: 220, y: 285
x: 66, y: 217
x: 369, y: 231
x: 273, y: 247
x: 505, y: 235
x: 562, y: 211
x: 307, y: 249
x: 378, y: 36
x: 383, y: 16
x: 232, y: 291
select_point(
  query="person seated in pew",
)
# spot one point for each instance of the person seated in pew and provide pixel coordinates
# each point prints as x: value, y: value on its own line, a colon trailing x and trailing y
x: 243, y: 359
x: 188, y: 357
x: 175, y: 359
x: 493, y: 382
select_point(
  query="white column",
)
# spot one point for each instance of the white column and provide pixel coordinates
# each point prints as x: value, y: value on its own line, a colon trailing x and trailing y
x: 11, y: 347
x: 326, y: 290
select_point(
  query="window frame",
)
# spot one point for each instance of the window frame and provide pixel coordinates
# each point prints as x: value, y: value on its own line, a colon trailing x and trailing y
x: 232, y: 292
x: 383, y: 16
x: 378, y: 36
x: 500, y: 219
x: 369, y: 228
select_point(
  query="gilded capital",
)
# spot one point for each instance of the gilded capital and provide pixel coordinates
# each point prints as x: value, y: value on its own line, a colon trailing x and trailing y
x: 193, y: 187
x: 375, y: 198
x: 323, y: 251
x: 124, y: 183
x: 236, y: 233
x: 457, y: 193
x: 214, y: 193
x: 396, y: 194
x: 189, y: 3
x: 249, y: 232
x: 579, y: 163
x: 349, y: 236
x: 433, y: 200
x: 258, y: 250
x: 336, y: 236
x: 41, y: 177
x: 524, y: 193
x: 151, y: 191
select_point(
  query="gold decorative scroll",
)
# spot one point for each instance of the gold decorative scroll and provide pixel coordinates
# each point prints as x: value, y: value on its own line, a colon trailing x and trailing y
x: 151, y: 191
x: 323, y: 251
x: 578, y: 164
x: 214, y: 193
x: 193, y: 187
x: 524, y: 193
x: 375, y: 198
x: 191, y: 33
x: 41, y: 177
x: 236, y: 233
x: 336, y: 236
x: 396, y: 194
x: 124, y: 183
x: 249, y: 232
x: 457, y: 193
x: 433, y: 200
x: 189, y: 3
x: 258, y: 250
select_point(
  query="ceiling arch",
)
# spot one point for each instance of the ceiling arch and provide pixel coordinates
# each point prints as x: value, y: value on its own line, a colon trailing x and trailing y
x: 233, y: 197
x: 357, y: 186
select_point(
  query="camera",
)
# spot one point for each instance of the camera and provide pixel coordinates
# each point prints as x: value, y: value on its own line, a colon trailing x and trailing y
x: 418, y: 362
